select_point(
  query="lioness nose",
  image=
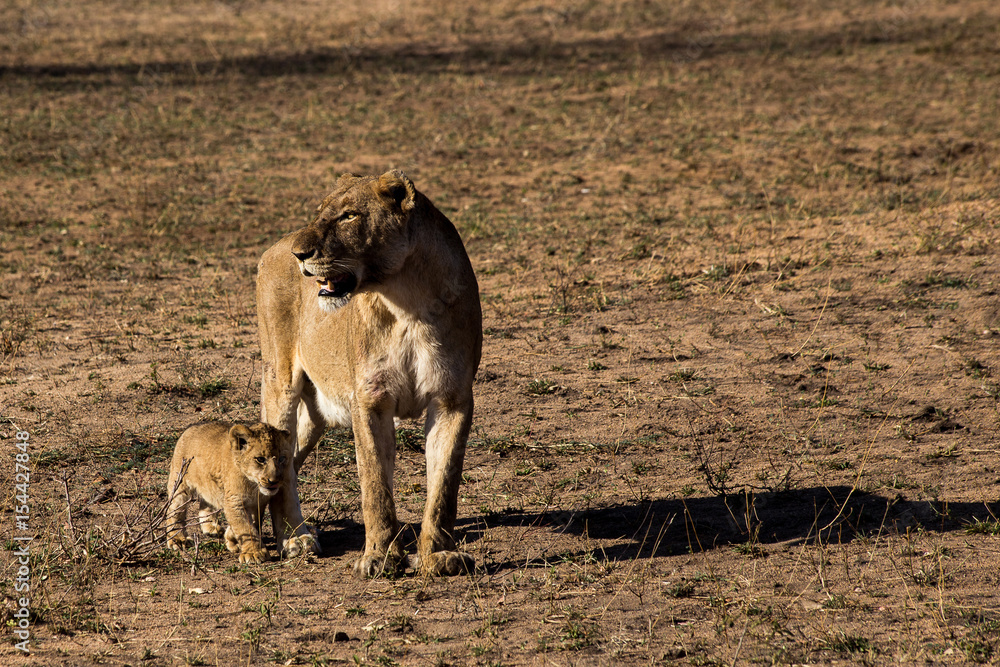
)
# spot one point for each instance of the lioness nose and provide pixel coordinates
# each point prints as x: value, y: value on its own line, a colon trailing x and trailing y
x: 304, y: 254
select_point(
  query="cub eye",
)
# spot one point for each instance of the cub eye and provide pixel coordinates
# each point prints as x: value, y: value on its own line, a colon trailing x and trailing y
x: 260, y: 460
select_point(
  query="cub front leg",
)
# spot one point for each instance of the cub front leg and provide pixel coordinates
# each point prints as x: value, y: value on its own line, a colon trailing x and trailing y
x: 243, y: 533
x: 375, y: 446
x: 447, y: 430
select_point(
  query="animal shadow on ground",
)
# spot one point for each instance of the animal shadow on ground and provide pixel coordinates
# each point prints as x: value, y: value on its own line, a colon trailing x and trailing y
x: 663, y: 527
x: 835, y: 514
x: 482, y: 55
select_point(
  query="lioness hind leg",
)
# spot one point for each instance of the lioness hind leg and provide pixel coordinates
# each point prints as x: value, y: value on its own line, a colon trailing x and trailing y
x: 447, y: 433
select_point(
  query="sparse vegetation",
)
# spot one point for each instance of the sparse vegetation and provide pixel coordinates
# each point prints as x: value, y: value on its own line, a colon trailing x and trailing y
x: 735, y: 262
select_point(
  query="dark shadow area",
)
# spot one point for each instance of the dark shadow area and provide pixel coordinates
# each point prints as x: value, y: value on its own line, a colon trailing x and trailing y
x: 340, y: 537
x: 531, y: 55
x: 664, y: 527
x: 833, y: 515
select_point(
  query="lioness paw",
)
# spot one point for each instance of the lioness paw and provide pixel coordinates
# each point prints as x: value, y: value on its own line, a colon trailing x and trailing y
x: 300, y: 545
x: 377, y: 565
x: 253, y: 555
x: 445, y: 563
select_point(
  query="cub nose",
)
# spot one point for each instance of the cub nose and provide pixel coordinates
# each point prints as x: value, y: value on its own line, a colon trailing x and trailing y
x: 303, y: 255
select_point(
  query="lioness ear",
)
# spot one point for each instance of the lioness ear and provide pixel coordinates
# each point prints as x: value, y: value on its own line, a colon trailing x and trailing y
x: 396, y: 185
x: 239, y: 436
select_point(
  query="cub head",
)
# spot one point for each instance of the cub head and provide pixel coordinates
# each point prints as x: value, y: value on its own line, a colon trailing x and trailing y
x: 360, y: 235
x: 262, y: 453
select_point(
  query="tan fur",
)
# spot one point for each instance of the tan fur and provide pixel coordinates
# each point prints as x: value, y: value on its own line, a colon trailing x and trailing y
x: 399, y: 335
x: 240, y: 470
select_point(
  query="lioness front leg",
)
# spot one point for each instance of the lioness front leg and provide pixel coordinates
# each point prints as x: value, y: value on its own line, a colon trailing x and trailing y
x: 447, y: 432
x: 290, y: 529
x: 288, y: 403
x: 375, y: 445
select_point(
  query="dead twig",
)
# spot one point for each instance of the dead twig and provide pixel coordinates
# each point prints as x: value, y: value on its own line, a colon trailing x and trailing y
x: 69, y: 508
x: 136, y: 542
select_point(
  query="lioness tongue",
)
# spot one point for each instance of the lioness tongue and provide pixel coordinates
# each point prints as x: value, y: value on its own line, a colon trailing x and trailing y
x: 331, y: 283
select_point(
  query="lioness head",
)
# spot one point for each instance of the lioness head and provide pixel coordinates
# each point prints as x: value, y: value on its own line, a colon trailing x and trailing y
x: 359, y: 236
x: 262, y: 453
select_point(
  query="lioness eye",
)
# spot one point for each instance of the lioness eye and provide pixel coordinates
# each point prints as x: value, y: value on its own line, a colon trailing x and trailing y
x: 260, y: 460
x: 281, y: 460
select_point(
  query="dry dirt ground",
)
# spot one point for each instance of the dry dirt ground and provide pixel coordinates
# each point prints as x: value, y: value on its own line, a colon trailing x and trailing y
x: 739, y: 395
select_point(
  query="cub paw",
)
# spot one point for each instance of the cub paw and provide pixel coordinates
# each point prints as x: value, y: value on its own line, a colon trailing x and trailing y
x: 232, y: 543
x: 253, y: 554
x: 211, y: 528
x: 444, y: 563
x: 300, y: 545
x: 179, y: 542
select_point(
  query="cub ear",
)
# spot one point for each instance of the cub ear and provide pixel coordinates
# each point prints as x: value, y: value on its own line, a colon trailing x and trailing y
x: 239, y: 437
x: 281, y: 436
x: 278, y: 435
x: 397, y: 186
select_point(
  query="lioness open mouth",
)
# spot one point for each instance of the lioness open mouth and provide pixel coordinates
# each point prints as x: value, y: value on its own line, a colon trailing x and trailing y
x: 337, y: 287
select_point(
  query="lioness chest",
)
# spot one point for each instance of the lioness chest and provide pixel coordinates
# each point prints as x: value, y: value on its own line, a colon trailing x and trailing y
x: 374, y: 357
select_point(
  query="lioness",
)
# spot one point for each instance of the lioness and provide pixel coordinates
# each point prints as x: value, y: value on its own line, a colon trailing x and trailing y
x: 369, y: 313
x: 238, y: 470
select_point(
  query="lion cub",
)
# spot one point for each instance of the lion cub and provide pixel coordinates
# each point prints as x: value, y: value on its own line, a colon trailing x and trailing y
x: 237, y: 470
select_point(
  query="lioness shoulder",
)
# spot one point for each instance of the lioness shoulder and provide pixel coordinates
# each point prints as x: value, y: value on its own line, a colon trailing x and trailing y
x: 235, y: 469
